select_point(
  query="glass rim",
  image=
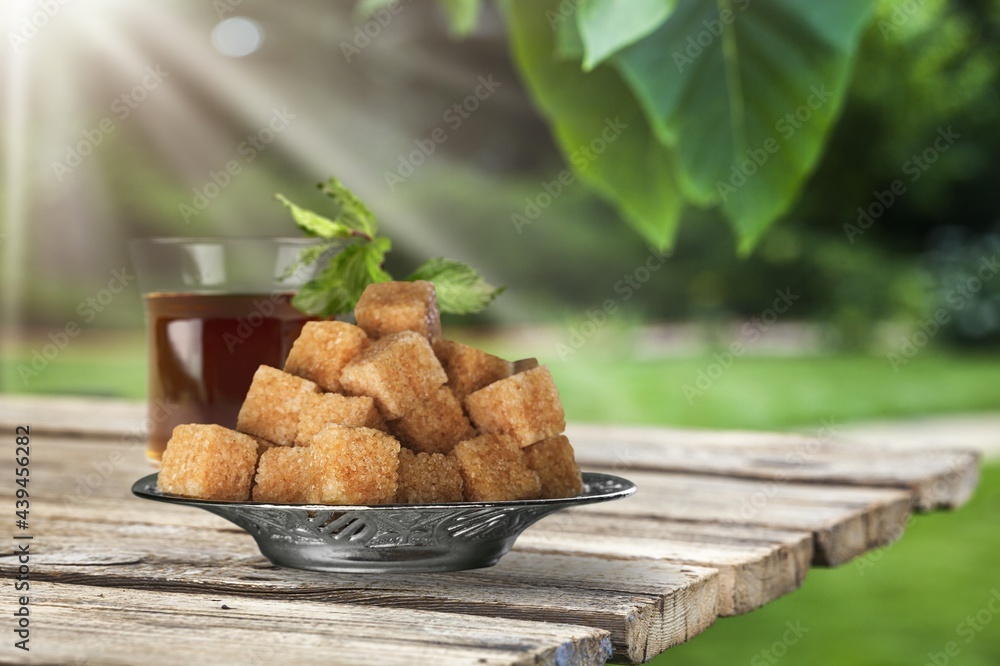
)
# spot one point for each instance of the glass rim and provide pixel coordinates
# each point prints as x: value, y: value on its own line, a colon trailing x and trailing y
x: 191, y: 240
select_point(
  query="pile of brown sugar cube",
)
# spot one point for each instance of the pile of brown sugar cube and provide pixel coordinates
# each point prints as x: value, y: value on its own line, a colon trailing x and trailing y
x: 387, y: 411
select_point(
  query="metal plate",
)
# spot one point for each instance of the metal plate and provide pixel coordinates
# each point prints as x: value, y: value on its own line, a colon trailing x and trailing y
x: 390, y: 537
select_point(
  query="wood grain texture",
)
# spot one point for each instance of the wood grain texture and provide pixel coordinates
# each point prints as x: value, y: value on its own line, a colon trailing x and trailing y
x: 936, y: 479
x: 756, y: 564
x: 106, y: 625
x: 845, y: 521
x: 73, y: 415
x: 722, y: 523
x: 647, y: 606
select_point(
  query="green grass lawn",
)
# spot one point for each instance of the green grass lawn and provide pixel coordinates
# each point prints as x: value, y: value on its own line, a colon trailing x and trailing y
x: 756, y: 392
x: 901, y: 605
x: 906, y: 604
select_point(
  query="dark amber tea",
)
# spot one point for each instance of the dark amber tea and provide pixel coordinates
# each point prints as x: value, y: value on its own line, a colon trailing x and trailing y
x: 204, y: 350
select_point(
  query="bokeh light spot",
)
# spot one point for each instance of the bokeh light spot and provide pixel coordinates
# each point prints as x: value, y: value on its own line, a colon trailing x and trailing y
x: 237, y: 37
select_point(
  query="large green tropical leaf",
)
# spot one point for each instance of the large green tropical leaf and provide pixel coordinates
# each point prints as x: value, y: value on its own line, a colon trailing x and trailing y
x: 607, y: 26
x: 747, y: 93
x: 633, y: 171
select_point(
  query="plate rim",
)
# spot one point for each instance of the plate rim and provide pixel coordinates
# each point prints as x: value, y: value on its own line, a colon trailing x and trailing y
x: 140, y: 488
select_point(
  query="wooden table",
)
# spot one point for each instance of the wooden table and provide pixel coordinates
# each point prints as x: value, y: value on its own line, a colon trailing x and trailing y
x: 723, y: 523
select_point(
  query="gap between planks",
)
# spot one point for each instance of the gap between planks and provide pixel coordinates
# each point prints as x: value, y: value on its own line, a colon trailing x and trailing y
x: 845, y: 521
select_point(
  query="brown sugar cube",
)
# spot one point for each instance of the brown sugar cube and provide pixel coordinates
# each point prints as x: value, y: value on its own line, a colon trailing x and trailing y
x: 208, y: 462
x: 428, y: 478
x: 262, y: 446
x: 399, y: 371
x: 322, y: 350
x: 325, y: 409
x: 353, y: 466
x: 435, y: 426
x: 554, y: 462
x: 390, y: 307
x: 525, y: 364
x: 469, y: 369
x: 495, y: 468
x: 272, y: 406
x: 282, y: 475
x: 524, y: 406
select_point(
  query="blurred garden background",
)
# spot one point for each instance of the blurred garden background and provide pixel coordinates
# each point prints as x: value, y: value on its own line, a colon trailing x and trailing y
x: 868, y: 292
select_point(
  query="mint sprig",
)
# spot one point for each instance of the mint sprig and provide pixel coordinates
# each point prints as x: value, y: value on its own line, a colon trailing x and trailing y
x: 337, y: 288
x: 460, y: 289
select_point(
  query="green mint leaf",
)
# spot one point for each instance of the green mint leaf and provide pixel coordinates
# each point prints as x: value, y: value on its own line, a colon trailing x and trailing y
x: 337, y: 289
x: 460, y: 289
x: 314, y: 224
x: 353, y: 212
x: 313, y: 298
x: 374, y: 258
x: 309, y: 255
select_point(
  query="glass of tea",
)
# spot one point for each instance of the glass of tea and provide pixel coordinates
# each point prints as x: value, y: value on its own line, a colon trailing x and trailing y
x: 216, y: 309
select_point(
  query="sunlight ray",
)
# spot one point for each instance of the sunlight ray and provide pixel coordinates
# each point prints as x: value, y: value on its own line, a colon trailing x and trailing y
x: 12, y: 239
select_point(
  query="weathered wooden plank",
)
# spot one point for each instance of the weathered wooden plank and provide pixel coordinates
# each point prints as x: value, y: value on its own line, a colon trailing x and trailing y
x: 69, y: 471
x: 936, y: 478
x: 726, y: 520
x: 649, y: 609
x: 845, y: 521
x: 647, y: 606
x: 102, y: 625
x: 73, y: 415
x: 756, y: 564
x: 943, y: 478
